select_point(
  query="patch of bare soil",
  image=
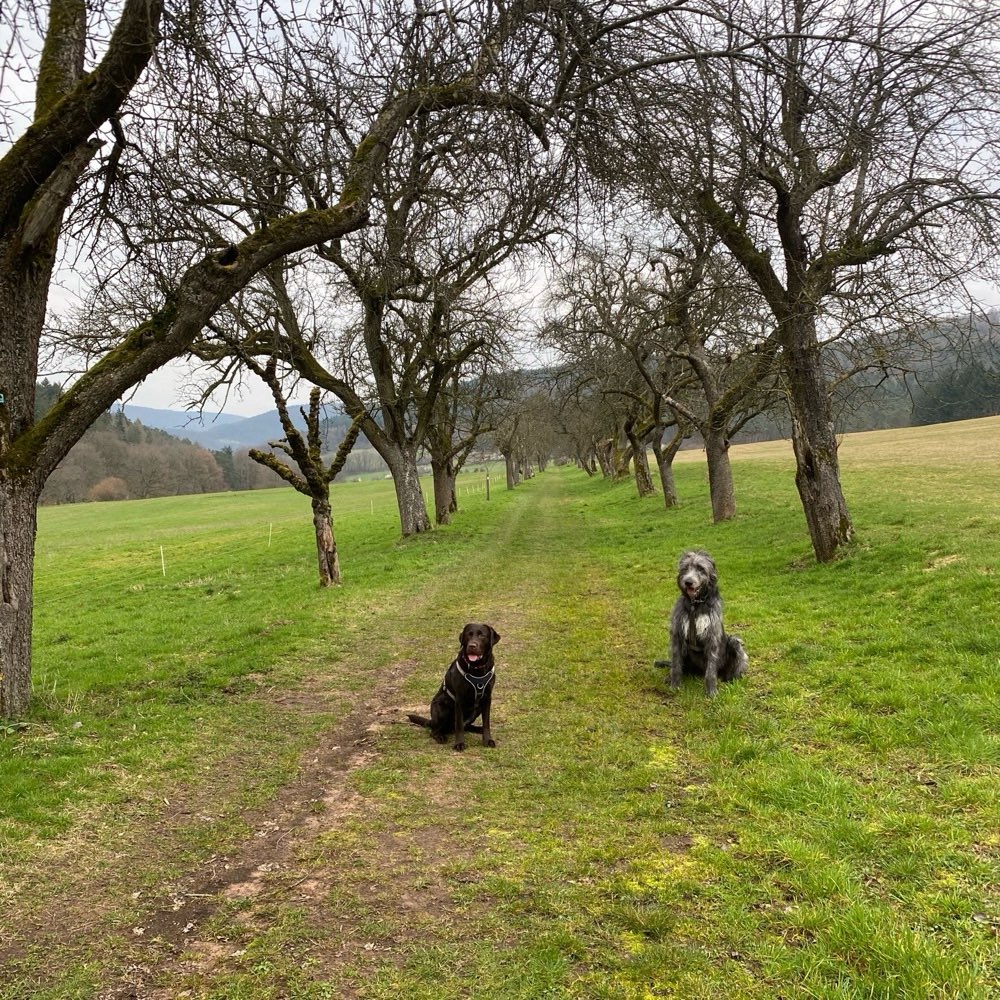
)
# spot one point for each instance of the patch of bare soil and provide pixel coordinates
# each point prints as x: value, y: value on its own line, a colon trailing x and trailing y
x: 172, y: 944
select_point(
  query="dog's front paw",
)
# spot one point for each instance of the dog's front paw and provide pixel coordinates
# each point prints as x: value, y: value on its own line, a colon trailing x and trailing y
x: 460, y: 746
x: 490, y: 742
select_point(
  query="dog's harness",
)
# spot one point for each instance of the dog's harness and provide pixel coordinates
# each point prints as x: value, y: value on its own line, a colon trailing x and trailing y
x: 478, y: 682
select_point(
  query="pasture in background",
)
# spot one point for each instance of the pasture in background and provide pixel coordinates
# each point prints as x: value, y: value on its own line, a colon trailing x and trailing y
x: 826, y: 827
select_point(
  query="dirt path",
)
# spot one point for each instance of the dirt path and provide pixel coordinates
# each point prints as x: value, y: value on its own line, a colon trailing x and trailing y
x: 266, y: 870
x: 175, y: 948
x: 171, y: 939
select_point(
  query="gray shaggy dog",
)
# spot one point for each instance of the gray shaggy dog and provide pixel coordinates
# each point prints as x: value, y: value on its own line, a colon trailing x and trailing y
x: 698, y: 643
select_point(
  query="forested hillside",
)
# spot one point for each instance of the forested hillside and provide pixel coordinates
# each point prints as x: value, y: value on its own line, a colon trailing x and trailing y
x: 123, y: 459
x: 119, y: 459
x: 950, y: 374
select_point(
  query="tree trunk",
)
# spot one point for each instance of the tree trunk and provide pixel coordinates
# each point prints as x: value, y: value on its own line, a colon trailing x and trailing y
x: 326, y: 543
x: 18, y: 501
x: 720, y: 476
x: 621, y: 457
x: 413, y: 517
x: 511, y: 464
x: 604, y: 451
x: 445, y: 499
x: 817, y: 469
x: 643, y: 480
x: 665, y: 463
x: 25, y: 272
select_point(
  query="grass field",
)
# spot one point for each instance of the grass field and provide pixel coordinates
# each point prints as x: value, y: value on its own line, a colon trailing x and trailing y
x: 216, y: 794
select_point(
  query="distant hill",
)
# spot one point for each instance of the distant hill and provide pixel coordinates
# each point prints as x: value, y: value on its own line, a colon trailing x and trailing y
x: 216, y: 431
x: 212, y: 430
x: 135, y: 452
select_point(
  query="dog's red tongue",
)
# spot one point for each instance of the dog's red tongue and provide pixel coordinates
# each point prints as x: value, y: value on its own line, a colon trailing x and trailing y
x: 472, y: 657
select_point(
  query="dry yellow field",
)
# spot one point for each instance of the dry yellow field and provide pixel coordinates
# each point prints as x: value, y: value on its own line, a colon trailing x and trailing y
x: 961, y: 442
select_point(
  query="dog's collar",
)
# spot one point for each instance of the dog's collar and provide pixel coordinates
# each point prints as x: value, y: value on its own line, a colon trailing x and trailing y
x: 696, y: 600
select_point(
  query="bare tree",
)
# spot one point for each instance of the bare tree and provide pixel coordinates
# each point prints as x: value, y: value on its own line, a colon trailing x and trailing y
x: 669, y: 326
x: 707, y: 320
x: 415, y: 271
x: 850, y: 166
x: 574, y: 426
x: 600, y: 314
x: 463, y: 411
x: 507, y: 419
x: 38, y: 175
x: 311, y: 475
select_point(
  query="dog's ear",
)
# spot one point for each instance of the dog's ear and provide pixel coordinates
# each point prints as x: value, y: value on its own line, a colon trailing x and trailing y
x: 461, y: 637
x: 494, y: 635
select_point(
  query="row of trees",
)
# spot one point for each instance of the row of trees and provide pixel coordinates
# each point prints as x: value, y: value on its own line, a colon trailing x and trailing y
x: 364, y: 211
x: 812, y: 207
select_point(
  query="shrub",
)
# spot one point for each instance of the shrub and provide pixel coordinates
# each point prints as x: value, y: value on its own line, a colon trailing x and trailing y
x: 109, y: 488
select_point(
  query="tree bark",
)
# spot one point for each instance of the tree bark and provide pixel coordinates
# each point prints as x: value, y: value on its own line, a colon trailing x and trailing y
x: 413, y: 517
x: 603, y: 450
x: 18, y: 502
x: 720, y: 476
x: 326, y: 543
x: 510, y: 462
x: 445, y: 498
x: 817, y: 467
x: 27, y: 257
x: 643, y: 479
x: 621, y: 460
x: 665, y: 463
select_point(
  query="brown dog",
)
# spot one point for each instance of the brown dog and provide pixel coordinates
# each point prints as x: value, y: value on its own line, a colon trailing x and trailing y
x: 467, y: 689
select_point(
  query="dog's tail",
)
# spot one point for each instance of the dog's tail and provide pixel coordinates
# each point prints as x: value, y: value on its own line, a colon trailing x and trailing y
x: 662, y: 664
x: 738, y: 655
x: 419, y: 720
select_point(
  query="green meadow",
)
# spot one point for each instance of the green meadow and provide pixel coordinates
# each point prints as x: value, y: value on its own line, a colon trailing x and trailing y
x: 216, y: 793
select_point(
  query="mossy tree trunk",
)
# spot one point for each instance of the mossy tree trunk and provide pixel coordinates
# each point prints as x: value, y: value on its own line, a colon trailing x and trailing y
x: 640, y: 463
x: 445, y: 497
x: 817, y: 466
